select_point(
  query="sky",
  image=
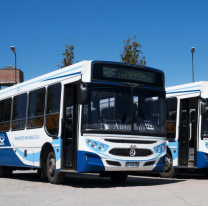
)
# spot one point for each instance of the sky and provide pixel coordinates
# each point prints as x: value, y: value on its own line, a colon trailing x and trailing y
x: 166, y: 30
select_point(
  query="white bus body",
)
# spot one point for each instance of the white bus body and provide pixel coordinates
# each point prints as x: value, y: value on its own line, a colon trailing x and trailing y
x: 44, y: 115
x: 187, y: 127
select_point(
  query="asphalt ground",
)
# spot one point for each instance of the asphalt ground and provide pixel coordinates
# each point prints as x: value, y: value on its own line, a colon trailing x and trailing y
x: 27, y: 188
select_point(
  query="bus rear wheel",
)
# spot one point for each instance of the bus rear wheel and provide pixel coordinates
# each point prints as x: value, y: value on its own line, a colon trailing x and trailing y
x: 54, y: 176
x: 2, y: 170
x: 170, y: 171
x: 118, y: 176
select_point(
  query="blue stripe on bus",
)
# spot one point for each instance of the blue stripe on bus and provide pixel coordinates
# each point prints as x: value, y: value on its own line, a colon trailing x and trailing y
x: 63, y: 76
x: 183, y: 91
x: 9, y: 158
x: 183, y: 88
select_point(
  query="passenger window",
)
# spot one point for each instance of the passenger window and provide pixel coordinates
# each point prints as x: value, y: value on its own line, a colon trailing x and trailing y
x: 171, y: 114
x: 53, y: 109
x: 36, y: 109
x: 5, y: 114
x: 19, y: 112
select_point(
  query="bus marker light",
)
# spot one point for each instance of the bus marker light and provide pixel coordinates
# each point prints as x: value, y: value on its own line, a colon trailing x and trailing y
x: 57, y: 150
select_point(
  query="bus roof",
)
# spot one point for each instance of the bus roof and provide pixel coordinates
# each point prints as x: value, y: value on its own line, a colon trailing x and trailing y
x: 196, y: 87
x: 56, y: 76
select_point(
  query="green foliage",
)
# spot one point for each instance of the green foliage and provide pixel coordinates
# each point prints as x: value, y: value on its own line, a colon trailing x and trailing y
x: 132, y: 53
x: 68, y: 56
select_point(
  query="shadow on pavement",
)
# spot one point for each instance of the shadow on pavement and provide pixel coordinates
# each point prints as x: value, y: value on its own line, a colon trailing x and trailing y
x: 94, y: 181
x: 183, y: 175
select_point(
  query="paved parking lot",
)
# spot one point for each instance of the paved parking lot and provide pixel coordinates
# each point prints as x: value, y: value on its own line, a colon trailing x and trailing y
x: 29, y: 189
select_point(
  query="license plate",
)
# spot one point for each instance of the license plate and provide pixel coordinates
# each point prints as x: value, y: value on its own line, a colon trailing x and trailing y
x: 132, y: 164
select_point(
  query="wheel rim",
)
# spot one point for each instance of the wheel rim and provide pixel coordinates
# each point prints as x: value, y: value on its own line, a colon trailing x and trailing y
x: 168, y: 164
x: 52, y: 167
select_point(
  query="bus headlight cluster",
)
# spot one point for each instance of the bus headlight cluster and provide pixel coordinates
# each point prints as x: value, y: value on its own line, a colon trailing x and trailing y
x: 95, y: 145
x: 160, y: 148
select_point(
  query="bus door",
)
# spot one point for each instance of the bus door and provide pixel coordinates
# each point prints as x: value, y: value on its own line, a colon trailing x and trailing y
x: 69, y: 132
x: 188, y: 132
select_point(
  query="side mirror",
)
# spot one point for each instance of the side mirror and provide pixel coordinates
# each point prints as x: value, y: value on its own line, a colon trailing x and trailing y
x: 204, y: 108
x: 83, y: 95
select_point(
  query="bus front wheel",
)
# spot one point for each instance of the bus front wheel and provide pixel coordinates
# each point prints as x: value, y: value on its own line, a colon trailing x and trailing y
x: 54, y: 176
x: 118, y: 176
x: 170, y: 171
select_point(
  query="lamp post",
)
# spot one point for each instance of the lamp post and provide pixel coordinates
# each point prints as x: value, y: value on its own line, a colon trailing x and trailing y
x: 192, y: 52
x: 13, y: 49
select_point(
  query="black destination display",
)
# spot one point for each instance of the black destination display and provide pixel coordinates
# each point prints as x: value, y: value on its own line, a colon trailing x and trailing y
x: 141, y: 76
x: 123, y: 73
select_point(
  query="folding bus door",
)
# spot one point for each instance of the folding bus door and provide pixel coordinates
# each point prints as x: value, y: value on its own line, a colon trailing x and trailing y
x: 69, y: 133
x: 188, y: 132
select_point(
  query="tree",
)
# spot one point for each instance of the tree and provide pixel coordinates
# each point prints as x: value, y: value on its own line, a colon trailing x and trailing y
x: 68, y: 56
x: 132, y: 53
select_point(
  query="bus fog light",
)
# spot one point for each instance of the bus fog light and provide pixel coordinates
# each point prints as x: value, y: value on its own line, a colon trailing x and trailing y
x: 158, y: 149
x: 94, y: 145
x: 101, y: 147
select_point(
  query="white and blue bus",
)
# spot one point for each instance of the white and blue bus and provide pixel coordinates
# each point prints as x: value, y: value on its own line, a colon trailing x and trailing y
x: 187, y: 128
x: 93, y: 116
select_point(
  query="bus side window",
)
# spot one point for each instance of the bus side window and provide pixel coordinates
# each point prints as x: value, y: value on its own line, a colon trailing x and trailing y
x: 19, y: 112
x: 5, y: 114
x: 53, y: 109
x: 171, y: 114
x: 36, y: 108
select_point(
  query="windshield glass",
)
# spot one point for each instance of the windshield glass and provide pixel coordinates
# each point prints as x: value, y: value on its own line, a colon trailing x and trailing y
x: 120, y: 109
x: 205, y: 123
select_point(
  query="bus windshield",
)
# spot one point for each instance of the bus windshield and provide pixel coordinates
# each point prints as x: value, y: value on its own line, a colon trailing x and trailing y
x: 205, y: 123
x: 125, y: 109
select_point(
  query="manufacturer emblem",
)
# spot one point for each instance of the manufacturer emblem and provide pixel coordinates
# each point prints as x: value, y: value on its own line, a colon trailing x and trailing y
x: 132, y: 152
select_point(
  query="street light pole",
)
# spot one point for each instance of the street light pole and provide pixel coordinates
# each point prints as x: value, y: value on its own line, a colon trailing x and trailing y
x: 13, y: 49
x: 192, y: 52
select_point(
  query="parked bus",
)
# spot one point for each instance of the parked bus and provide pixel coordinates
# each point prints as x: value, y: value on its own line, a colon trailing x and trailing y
x: 187, y: 128
x: 93, y: 116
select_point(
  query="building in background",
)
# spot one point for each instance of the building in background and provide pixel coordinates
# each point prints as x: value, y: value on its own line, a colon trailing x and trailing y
x: 7, y: 76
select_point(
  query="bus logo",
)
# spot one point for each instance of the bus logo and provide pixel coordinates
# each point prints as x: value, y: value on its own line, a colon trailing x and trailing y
x: 132, y: 152
x: 2, y: 138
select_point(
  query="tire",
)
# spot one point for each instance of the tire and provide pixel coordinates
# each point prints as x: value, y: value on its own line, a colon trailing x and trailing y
x: 170, y: 171
x: 2, y: 171
x: 8, y: 171
x: 54, y: 176
x: 118, y: 176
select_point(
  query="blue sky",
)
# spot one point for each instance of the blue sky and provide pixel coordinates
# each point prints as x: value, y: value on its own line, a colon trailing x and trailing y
x: 166, y: 29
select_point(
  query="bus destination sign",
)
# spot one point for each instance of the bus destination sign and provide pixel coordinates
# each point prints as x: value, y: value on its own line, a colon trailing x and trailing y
x: 126, y: 74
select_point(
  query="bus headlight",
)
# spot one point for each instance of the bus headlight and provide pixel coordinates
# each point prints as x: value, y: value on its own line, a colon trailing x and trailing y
x: 94, y: 145
x: 163, y: 147
x: 158, y: 149
x: 101, y: 147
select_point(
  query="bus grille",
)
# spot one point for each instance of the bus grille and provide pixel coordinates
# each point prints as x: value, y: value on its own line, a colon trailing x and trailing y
x: 130, y: 141
x: 126, y: 152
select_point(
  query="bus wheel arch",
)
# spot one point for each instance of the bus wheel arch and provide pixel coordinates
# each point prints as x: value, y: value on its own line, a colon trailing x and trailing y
x: 46, y: 149
x: 170, y: 171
